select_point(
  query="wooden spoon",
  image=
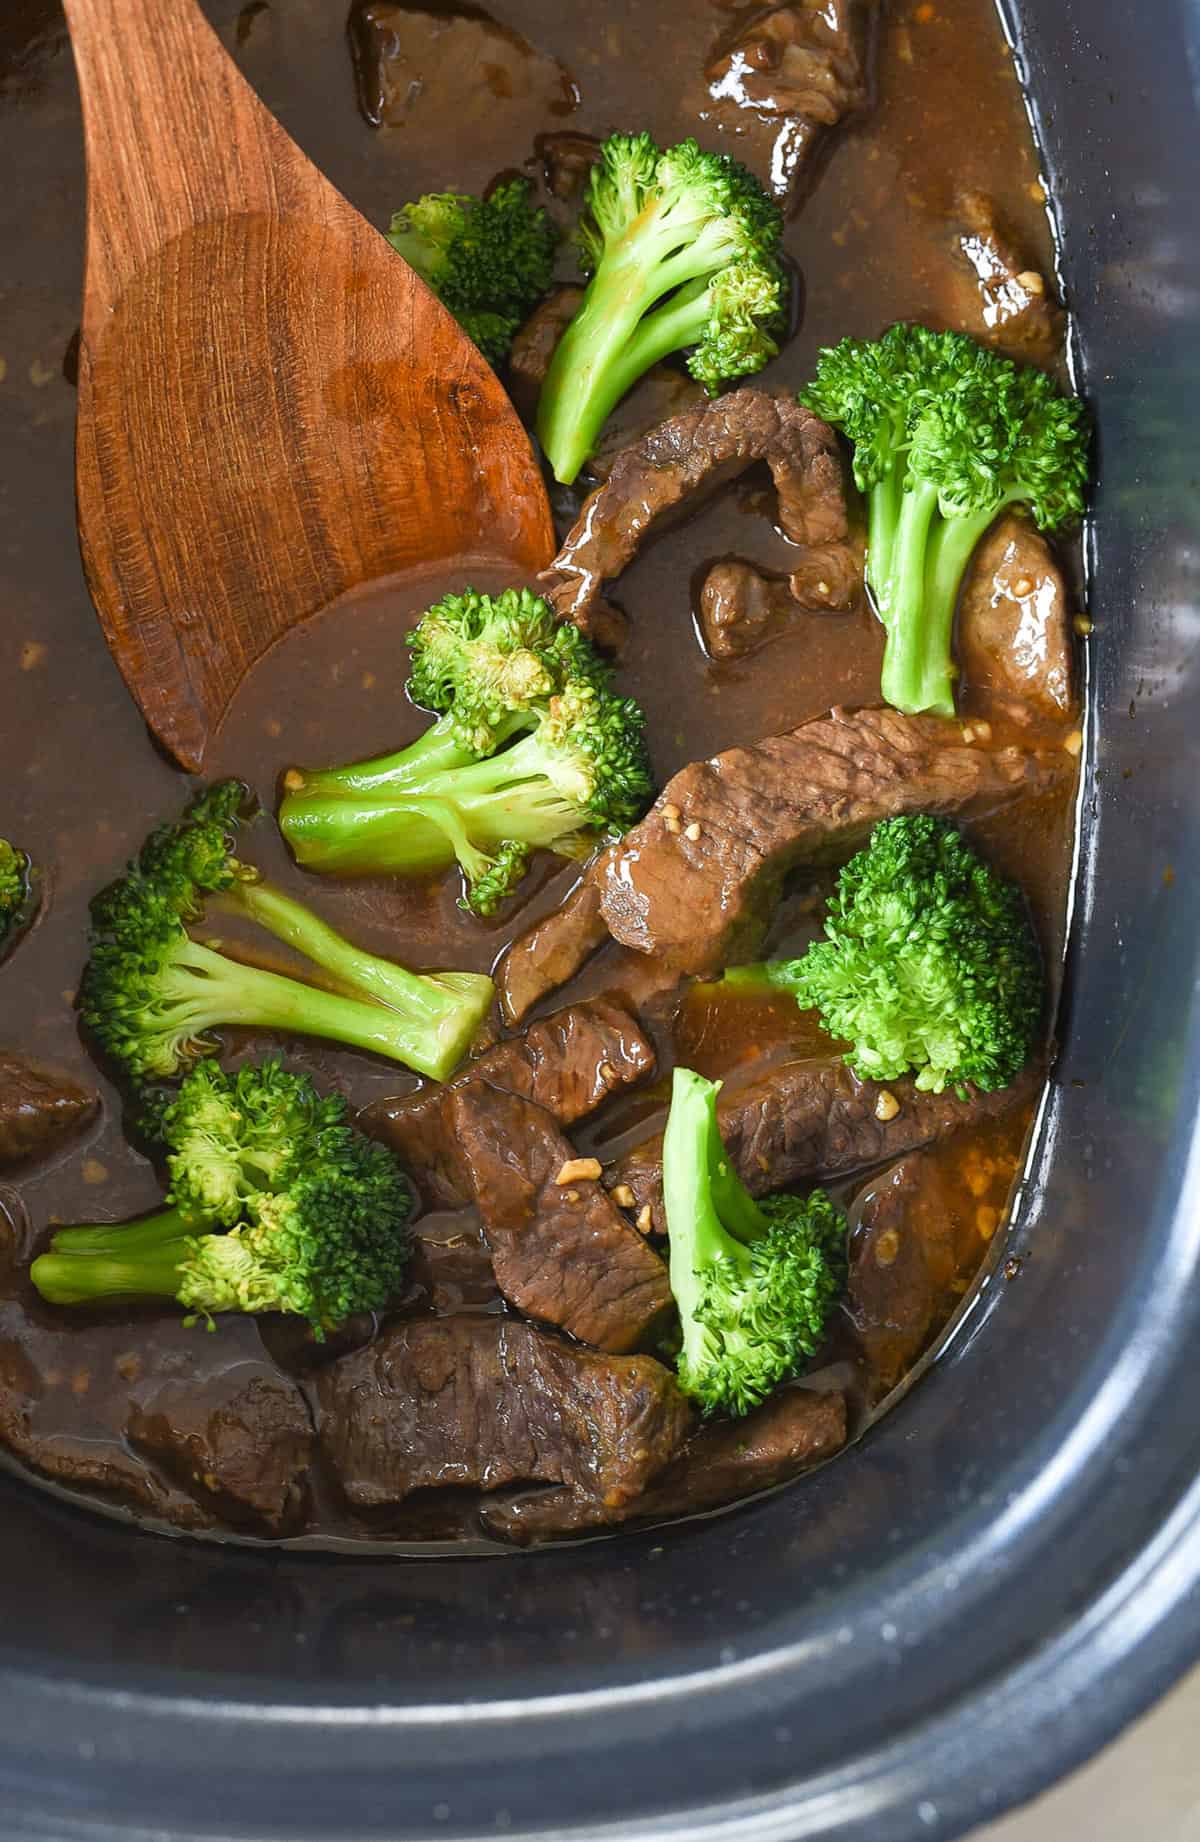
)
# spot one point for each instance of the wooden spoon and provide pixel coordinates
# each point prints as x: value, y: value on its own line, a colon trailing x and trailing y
x: 273, y: 409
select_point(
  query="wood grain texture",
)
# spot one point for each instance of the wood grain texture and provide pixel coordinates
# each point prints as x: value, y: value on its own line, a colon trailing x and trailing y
x: 273, y: 409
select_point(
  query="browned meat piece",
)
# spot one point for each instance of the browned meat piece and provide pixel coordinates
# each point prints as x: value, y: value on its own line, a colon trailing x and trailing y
x: 689, y: 455
x: 561, y: 1249
x: 420, y: 68
x: 241, y: 1444
x: 568, y: 1063
x: 487, y: 1402
x: 545, y: 957
x: 38, y: 1111
x: 533, y: 347
x: 567, y: 159
x: 1014, y: 624
x: 1001, y: 297
x: 785, y: 77
x: 902, y: 1261
x: 741, y: 608
x: 697, y: 878
x: 452, y: 1265
x: 723, y: 1461
x: 807, y: 1120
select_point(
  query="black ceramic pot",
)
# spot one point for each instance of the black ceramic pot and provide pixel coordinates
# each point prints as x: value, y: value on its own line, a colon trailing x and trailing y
x: 1005, y: 1570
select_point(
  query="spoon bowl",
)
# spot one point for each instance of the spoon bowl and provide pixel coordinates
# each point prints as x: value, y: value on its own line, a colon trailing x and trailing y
x: 273, y: 408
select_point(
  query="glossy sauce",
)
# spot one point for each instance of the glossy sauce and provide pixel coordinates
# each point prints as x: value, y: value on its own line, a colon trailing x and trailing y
x: 82, y: 783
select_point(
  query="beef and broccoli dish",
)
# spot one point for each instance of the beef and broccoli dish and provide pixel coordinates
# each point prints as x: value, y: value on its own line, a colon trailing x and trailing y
x: 571, y: 1053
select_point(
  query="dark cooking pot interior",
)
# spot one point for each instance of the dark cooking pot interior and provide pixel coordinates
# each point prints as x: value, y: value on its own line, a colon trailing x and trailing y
x: 1005, y: 1568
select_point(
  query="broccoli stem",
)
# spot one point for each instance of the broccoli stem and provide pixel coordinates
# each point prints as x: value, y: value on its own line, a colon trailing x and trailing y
x: 918, y: 671
x: 701, y: 1190
x: 614, y: 339
x: 504, y: 799
x: 139, y: 1271
x: 431, y: 1033
x: 436, y: 751
x: 151, y: 1231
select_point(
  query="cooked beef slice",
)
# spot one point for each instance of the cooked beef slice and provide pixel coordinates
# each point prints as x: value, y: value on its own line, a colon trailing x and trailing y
x: 451, y: 1263
x: 1014, y: 625
x: 568, y: 1063
x: 697, y: 879
x: 804, y: 1121
x: 548, y: 953
x: 724, y: 1460
x: 784, y: 77
x: 567, y: 159
x: 419, y: 69
x: 488, y: 1401
x: 1000, y: 296
x: 241, y: 1443
x: 39, y: 1111
x: 533, y: 347
x: 692, y: 454
x: 741, y: 608
x: 902, y: 1261
x: 562, y: 1250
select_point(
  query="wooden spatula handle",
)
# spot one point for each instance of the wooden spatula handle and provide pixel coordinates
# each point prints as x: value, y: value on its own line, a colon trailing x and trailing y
x: 173, y: 132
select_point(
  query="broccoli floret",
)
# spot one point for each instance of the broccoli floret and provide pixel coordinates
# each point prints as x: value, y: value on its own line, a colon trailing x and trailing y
x: 683, y: 249
x: 16, y: 893
x: 754, y: 1282
x: 487, y: 665
x: 532, y: 750
x: 489, y: 260
x: 152, y: 994
x: 945, y: 435
x: 317, y: 1214
x: 929, y: 964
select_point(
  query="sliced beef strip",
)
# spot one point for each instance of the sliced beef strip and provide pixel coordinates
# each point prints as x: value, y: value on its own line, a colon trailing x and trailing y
x: 241, y: 1444
x: 562, y: 1250
x: 1014, y: 625
x: 486, y: 1401
x: 39, y: 1111
x: 696, y: 880
x: 785, y: 77
x: 1000, y: 296
x: 420, y: 68
x: 533, y: 347
x: 568, y: 1063
x: 723, y: 1461
x: 692, y: 454
x: 741, y: 608
x: 548, y: 953
x: 902, y: 1262
x: 805, y: 1121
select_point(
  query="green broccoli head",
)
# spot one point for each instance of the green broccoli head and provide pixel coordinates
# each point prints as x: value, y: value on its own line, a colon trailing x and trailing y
x: 683, y: 250
x: 754, y: 1282
x: 489, y: 260
x: 945, y: 435
x: 489, y: 663
x: 15, y: 892
x: 229, y: 1137
x: 532, y: 750
x: 318, y: 1214
x: 929, y: 964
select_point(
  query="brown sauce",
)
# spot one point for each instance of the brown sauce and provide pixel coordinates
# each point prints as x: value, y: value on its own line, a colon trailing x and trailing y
x: 82, y: 782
